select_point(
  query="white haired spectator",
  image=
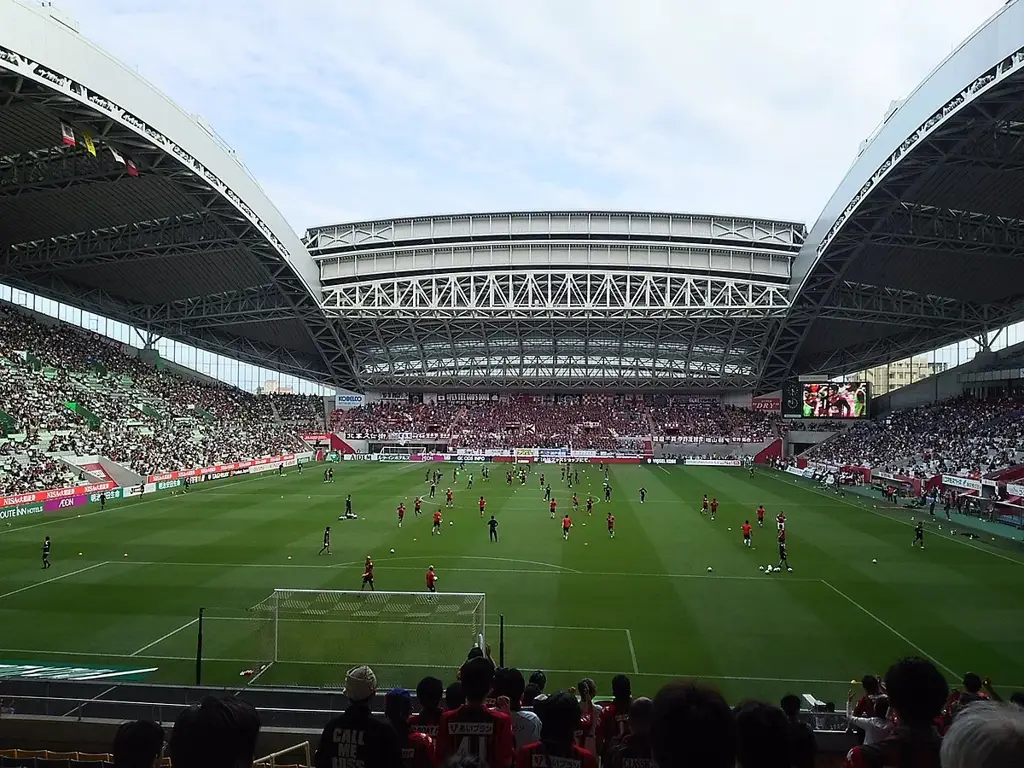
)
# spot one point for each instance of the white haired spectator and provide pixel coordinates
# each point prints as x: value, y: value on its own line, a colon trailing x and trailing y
x: 985, y: 735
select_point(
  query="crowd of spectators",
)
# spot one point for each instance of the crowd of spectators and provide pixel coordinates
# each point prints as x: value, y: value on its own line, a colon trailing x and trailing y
x: 66, y: 391
x: 589, y: 422
x: 489, y: 718
x: 961, y: 436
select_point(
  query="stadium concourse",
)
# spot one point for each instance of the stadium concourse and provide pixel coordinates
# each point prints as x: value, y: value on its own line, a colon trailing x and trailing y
x: 652, y: 350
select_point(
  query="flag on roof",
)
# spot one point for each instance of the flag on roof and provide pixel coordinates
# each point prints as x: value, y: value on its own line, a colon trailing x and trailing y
x: 90, y: 147
x: 133, y: 169
x: 67, y: 135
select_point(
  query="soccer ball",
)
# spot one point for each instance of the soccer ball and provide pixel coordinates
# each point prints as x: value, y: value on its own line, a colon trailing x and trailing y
x: 392, y: 551
x: 777, y: 569
x: 760, y: 567
x: 789, y: 569
x: 874, y: 561
x: 451, y: 522
x: 709, y: 569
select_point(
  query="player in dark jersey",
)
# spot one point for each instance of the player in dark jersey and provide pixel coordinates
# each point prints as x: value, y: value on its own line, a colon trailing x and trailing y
x: 348, y: 504
x: 449, y: 498
x: 46, y: 553
x: 783, y: 559
x: 367, y: 574
x: 575, y: 502
x: 918, y: 535
x: 643, y: 495
x: 611, y: 525
x: 590, y: 504
x: 327, y: 541
x: 433, y: 489
x: 330, y: 474
x: 607, y: 492
x: 492, y: 524
x: 103, y: 503
x: 547, y: 493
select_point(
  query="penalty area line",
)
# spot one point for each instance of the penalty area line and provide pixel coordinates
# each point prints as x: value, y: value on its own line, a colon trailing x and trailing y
x: 900, y: 635
x: 632, y: 651
x: 172, y: 633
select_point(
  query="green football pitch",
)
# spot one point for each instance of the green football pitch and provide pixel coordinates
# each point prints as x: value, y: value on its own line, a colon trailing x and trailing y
x: 127, y: 584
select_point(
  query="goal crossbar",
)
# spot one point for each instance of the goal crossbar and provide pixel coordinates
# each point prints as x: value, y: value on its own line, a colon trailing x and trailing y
x: 481, y: 595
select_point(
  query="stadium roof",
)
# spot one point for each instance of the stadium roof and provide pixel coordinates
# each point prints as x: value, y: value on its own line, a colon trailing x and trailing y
x: 115, y: 200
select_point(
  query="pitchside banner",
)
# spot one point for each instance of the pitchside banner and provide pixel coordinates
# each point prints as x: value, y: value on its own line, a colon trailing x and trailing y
x: 58, y: 493
x: 265, y: 464
x: 712, y: 462
x: 56, y: 505
x: 1014, y: 489
x: 962, y: 482
x: 12, y: 512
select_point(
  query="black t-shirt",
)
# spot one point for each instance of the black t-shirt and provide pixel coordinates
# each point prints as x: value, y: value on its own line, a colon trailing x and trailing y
x: 493, y: 524
x: 357, y: 739
x: 802, y: 746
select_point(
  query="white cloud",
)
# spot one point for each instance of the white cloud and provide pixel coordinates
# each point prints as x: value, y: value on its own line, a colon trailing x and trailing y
x: 359, y: 110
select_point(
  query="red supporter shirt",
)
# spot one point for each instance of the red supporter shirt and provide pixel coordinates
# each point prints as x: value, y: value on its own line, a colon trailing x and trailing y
x: 541, y: 755
x: 426, y: 722
x: 473, y: 730
x: 417, y: 750
x: 614, y: 723
x: 903, y: 749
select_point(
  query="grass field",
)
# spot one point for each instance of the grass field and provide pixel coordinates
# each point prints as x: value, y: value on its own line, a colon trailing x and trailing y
x: 643, y: 603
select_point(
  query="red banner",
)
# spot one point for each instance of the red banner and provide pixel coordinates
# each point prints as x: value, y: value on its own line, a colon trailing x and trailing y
x: 57, y: 493
x: 218, y: 468
x: 766, y: 404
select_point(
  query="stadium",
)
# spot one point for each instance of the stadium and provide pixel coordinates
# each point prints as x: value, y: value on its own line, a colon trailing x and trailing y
x: 620, y: 390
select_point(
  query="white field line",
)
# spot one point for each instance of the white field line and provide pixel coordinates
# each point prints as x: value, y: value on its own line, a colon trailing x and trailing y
x: 384, y: 664
x: 65, y: 518
x: 632, y: 651
x: 172, y: 633
x: 900, y: 635
x: 383, y: 561
x: 890, y: 518
x: 55, y: 578
x: 259, y: 674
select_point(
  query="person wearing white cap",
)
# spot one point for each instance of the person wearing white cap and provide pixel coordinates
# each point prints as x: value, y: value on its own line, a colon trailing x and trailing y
x: 356, y: 737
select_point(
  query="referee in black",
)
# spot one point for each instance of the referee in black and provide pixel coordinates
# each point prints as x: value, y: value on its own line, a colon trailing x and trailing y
x: 493, y: 525
x: 46, y: 553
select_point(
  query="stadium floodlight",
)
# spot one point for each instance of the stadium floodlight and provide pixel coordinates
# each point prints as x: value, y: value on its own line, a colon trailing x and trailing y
x: 322, y: 629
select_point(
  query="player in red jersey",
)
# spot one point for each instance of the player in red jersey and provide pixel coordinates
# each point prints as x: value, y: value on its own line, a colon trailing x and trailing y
x: 437, y: 523
x: 611, y: 525
x: 760, y: 516
x: 554, y: 506
x: 781, y: 520
x: 542, y: 481
x: 746, y: 533
x: 449, y: 498
x: 472, y: 729
x: 431, y: 579
x: 566, y: 525
x: 575, y: 503
x: 714, y: 508
x: 429, y: 692
x: 401, y: 514
x: 704, y: 505
x: 417, y: 747
x: 367, y: 574
x: 615, y: 715
x: 483, y: 506
x: 417, y: 506
x: 590, y: 505
x: 556, y: 748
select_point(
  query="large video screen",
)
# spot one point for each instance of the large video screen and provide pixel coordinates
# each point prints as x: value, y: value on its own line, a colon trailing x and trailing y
x: 830, y: 400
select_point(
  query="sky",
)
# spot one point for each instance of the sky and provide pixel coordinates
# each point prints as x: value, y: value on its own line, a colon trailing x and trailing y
x: 352, y: 109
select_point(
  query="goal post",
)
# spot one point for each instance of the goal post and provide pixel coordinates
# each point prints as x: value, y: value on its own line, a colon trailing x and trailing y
x: 338, y: 629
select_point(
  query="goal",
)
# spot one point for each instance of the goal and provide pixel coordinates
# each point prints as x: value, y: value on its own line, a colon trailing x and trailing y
x: 403, y: 633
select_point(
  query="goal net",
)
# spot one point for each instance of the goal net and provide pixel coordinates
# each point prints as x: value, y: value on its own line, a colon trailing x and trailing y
x: 312, y: 637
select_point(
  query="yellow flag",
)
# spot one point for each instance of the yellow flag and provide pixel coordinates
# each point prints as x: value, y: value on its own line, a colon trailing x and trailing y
x: 89, y: 146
